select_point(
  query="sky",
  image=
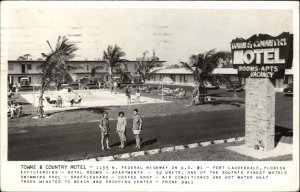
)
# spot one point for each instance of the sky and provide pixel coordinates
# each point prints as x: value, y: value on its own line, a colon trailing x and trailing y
x: 174, y: 34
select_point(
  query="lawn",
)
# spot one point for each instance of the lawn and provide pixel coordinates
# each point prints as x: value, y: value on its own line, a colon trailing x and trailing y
x: 209, y: 153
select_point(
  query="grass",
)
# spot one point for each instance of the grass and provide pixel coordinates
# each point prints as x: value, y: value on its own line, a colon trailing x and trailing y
x: 216, y: 152
x: 224, y: 102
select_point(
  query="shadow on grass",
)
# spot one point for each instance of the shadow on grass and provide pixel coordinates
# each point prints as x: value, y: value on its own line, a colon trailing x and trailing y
x: 218, y: 95
x: 115, y: 144
x: 97, y: 110
x: 282, y: 132
x: 24, y: 103
x: 148, y: 142
x: 231, y: 102
x: 132, y: 142
x: 21, y: 115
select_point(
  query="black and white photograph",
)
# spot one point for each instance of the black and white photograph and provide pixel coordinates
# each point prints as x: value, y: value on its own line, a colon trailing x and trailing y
x: 139, y: 94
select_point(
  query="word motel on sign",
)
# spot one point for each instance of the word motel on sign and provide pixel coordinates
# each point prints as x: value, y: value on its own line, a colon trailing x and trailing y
x: 261, y: 56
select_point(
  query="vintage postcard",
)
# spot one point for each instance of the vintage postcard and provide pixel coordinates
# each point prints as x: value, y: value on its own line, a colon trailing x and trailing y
x: 149, y: 96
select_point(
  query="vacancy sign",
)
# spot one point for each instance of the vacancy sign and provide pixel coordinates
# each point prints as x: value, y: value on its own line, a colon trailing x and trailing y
x: 263, y: 56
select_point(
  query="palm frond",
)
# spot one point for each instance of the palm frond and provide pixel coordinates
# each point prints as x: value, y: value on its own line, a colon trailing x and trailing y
x: 187, y: 66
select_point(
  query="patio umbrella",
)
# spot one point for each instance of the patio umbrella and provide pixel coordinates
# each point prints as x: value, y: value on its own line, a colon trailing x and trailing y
x: 164, y: 80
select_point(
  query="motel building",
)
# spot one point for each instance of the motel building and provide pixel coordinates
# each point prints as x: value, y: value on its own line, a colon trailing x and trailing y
x: 27, y: 69
x: 183, y: 76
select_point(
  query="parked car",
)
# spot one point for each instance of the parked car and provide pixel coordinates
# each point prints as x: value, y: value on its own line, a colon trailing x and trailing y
x: 238, y: 86
x: 24, y: 81
x: 92, y: 83
x: 66, y: 90
x: 124, y: 82
x: 289, y: 89
x: 210, y: 86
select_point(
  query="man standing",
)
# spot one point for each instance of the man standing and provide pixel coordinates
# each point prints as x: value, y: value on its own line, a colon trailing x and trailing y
x: 111, y: 84
x: 138, y: 95
x: 137, y: 127
x: 115, y: 87
x: 17, y: 89
x: 104, y: 127
x: 128, y: 92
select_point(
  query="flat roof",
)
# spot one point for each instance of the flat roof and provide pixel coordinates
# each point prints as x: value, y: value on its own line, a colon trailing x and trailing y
x: 174, y: 71
x: 70, y: 61
x: 225, y: 71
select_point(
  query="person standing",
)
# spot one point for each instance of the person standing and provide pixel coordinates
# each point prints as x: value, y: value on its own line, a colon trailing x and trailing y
x: 17, y: 89
x: 137, y: 127
x: 104, y: 127
x: 115, y: 87
x: 121, y: 128
x: 18, y: 110
x: 111, y: 84
x: 127, y: 92
x: 12, y: 110
x: 138, y: 95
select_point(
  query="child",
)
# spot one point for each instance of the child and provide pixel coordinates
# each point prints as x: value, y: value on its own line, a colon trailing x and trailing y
x: 104, y: 126
x: 121, y: 128
x: 137, y: 127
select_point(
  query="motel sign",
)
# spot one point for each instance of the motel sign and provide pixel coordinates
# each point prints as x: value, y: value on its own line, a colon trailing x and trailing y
x: 263, y: 56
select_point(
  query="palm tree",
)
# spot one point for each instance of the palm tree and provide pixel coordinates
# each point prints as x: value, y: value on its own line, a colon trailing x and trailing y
x: 112, y: 56
x: 203, y: 65
x: 55, y: 66
x: 145, y: 65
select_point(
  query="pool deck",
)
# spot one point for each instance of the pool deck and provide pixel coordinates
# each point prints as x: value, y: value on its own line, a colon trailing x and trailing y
x: 90, y: 98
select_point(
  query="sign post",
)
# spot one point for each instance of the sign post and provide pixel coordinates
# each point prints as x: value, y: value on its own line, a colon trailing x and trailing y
x: 261, y: 59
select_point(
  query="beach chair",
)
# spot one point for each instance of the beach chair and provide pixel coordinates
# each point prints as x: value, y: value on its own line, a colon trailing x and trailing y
x: 51, y: 102
x: 180, y: 95
x: 176, y: 91
x: 78, y: 102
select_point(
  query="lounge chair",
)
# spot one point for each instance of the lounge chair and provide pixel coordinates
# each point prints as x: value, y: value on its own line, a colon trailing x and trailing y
x: 78, y: 102
x: 180, y: 95
x: 52, y: 102
x: 176, y: 91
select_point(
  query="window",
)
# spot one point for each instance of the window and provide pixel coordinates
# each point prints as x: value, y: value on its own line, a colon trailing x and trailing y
x: 29, y: 67
x: 10, y: 67
x: 184, y: 78
x: 172, y: 77
x: 286, y: 79
x: 87, y: 67
x: 106, y: 65
x: 126, y: 67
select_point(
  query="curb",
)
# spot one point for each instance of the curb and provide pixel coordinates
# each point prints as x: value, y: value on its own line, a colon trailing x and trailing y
x: 163, y: 150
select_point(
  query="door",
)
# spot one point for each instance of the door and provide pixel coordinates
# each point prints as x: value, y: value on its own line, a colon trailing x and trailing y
x: 23, y: 68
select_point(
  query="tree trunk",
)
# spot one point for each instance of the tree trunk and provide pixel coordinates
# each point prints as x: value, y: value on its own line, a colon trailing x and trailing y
x: 110, y: 72
x: 40, y: 108
x: 201, y: 91
x: 203, y: 95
